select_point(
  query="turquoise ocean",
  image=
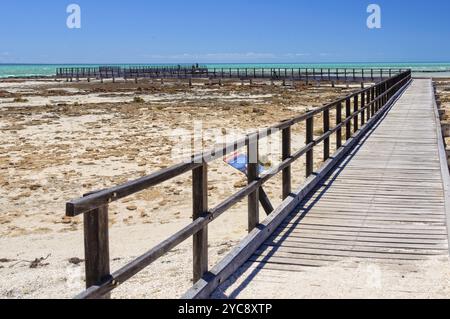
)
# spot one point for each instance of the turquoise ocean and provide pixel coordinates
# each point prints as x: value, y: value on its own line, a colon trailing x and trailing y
x: 424, y: 69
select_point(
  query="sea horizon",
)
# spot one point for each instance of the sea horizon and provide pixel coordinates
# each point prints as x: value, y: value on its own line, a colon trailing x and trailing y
x: 20, y: 70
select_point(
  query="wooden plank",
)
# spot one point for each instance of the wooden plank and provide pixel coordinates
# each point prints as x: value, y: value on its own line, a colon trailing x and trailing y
x: 361, y: 229
x: 253, y: 175
x: 96, y: 247
x: 355, y: 109
x: 286, y: 263
x: 286, y: 154
x: 386, y: 249
x: 338, y: 122
x: 310, y: 153
x: 397, y: 243
x: 200, y: 207
x: 265, y: 201
x: 368, y: 237
x: 444, y: 165
x: 347, y: 252
x: 348, y: 113
x: 326, y: 128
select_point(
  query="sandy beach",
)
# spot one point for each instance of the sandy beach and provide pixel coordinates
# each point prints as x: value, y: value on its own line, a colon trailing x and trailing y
x: 62, y: 140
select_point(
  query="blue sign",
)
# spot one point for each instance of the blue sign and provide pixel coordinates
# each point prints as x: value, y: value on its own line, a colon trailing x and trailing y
x: 239, y: 162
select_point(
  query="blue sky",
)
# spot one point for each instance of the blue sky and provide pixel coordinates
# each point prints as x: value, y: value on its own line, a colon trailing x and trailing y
x: 151, y: 31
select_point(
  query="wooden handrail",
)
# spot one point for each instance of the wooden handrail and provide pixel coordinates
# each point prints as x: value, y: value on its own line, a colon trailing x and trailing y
x: 94, y: 206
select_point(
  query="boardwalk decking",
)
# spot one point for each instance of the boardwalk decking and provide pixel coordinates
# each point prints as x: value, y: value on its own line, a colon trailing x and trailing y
x: 384, y: 203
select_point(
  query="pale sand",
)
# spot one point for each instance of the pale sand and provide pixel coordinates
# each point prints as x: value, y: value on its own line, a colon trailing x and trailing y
x: 66, y: 141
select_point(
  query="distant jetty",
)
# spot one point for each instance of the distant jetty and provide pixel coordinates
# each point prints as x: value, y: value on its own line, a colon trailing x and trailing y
x: 203, y: 72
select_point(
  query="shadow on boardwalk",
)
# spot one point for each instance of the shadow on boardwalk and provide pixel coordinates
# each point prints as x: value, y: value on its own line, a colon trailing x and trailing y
x: 295, y: 220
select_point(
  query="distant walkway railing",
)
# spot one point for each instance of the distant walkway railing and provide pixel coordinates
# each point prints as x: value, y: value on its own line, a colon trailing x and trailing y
x: 352, y: 112
x: 201, y: 72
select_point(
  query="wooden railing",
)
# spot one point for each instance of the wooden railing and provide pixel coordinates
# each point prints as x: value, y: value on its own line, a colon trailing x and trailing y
x: 183, y: 72
x: 94, y: 206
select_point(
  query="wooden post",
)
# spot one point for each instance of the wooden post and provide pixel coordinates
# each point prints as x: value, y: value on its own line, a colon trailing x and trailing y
x: 96, y: 247
x: 348, y: 113
x: 200, y: 207
x: 338, y: 121
x: 310, y: 153
x: 378, y: 94
x: 363, y: 112
x: 372, y: 98
x: 326, y: 129
x: 375, y: 95
x: 356, y: 109
x: 286, y: 154
x: 253, y: 175
x: 386, y: 96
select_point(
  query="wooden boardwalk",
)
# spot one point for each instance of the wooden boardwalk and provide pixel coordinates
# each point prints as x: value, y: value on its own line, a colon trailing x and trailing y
x: 384, y: 203
x: 380, y: 199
